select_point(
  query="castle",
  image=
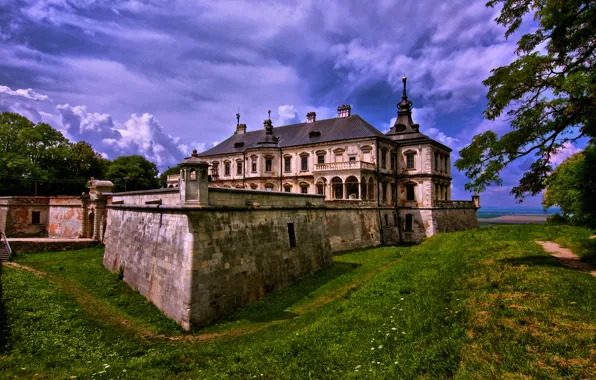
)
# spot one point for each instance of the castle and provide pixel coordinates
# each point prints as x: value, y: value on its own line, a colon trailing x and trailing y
x: 260, y: 211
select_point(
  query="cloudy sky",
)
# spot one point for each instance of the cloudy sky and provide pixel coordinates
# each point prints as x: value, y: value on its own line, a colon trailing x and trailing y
x: 160, y: 78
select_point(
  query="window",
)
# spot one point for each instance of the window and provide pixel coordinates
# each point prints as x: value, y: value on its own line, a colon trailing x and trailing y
x: 239, y: 167
x: 287, y: 164
x: 35, y: 217
x: 253, y: 165
x: 445, y: 163
x: 383, y: 159
x: 215, y: 170
x: 393, y: 159
x: 436, y: 161
x: 320, y: 159
x: 410, y: 196
x: 268, y: 164
x: 227, y: 168
x: 304, y: 163
x: 410, y: 161
x: 384, y: 192
x: 320, y: 188
x: 304, y: 190
x: 436, y: 191
x: 352, y: 158
x: 291, y: 235
x: 288, y: 189
x: 409, y: 222
x: 395, y: 219
x: 393, y: 193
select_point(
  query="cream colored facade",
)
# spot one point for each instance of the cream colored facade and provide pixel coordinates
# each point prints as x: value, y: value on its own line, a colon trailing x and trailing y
x: 362, y: 169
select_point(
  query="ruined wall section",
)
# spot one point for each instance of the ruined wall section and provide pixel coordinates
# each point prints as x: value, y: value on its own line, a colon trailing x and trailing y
x: 239, y: 256
x: 153, y: 247
x: 65, y: 217
x: 17, y: 215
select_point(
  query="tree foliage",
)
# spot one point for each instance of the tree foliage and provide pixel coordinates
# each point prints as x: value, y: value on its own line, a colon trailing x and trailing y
x: 39, y: 156
x: 134, y: 172
x: 572, y: 187
x: 548, y: 92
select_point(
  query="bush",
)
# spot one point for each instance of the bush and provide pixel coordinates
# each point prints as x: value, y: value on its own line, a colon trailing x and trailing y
x: 557, y: 219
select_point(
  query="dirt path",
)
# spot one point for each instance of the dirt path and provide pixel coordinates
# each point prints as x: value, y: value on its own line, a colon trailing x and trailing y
x: 566, y: 257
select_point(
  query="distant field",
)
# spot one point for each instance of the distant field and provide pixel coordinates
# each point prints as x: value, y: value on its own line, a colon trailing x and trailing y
x: 481, y: 304
x: 514, y: 215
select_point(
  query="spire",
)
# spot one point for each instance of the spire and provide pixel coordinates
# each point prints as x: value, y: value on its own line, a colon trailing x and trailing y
x: 240, y: 128
x: 404, y: 79
x: 404, y: 122
x: 269, y: 139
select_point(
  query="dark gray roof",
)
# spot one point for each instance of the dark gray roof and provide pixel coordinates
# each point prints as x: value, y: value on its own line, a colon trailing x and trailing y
x: 346, y: 128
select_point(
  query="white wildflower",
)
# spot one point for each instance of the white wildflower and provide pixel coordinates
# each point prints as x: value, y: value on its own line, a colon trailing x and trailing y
x: 380, y: 346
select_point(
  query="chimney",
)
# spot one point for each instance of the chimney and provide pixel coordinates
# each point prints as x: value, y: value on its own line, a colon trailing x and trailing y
x: 311, y: 117
x: 240, y: 129
x: 344, y: 111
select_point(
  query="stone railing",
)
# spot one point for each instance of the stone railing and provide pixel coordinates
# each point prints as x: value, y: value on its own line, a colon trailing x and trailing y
x: 329, y: 166
x: 454, y: 204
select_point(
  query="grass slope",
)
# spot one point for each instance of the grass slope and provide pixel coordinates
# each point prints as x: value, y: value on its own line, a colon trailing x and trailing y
x: 487, y: 303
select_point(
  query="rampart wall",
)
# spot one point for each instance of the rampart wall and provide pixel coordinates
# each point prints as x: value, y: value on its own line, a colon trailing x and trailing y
x: 198, y: 263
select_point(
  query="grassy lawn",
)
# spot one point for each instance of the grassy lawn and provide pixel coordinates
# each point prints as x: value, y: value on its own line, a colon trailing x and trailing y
x: 479, y: 304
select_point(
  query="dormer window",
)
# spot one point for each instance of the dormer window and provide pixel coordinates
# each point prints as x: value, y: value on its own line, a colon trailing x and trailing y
x: 314, y: 134
x: 238, y: 145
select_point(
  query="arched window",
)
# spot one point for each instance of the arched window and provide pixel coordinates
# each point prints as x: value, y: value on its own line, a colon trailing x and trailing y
x: 288, y: 187
x: 352, y: 187
x: 268, y: 187
x: 338, y: 188
x: 321, y: 184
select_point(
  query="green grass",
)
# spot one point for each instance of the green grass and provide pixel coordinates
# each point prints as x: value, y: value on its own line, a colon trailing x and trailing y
x: 487, y: 303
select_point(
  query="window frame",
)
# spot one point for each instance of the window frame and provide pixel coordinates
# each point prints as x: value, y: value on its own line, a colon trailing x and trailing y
x: 268, y: 165
x: 287, y: 164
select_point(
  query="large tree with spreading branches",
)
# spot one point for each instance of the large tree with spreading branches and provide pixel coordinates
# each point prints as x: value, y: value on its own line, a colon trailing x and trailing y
x: 548, y: 92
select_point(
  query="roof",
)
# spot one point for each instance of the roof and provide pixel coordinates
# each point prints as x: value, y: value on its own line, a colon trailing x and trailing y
x: 345, y: 128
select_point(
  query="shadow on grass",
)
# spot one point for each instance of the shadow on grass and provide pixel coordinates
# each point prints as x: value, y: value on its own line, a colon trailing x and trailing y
x: 3, y: 322
x: 589, y: 246
x: 273, y: 306
x: 534, y: 260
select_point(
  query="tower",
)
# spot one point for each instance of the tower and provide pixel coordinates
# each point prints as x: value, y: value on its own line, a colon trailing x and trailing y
x: 194, y: 183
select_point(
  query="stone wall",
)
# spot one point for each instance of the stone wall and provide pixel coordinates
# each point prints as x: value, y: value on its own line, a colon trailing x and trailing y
x: 153, y: 247
x: 239, y: 256
x: 59, y: 216
x: 454, y: 219
x: 65, y: 217
x: 198, y: 263
x: 167, y: 196
x: 16, y: 213
x: 352, y: 228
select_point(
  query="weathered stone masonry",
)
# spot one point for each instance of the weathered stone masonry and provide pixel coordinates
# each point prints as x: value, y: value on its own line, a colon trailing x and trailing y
x: 198, y: 260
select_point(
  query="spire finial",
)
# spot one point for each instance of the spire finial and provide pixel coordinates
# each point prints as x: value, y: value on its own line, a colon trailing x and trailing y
x: 238, y: 117
x: 194, y: 153
x: 269, y: 112
x: 404, y: 79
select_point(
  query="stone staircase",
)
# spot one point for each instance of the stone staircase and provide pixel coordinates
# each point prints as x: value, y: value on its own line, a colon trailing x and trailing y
x: 4, y: 248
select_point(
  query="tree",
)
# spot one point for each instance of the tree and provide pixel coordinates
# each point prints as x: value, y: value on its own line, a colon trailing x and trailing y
x: 549, y: 93
x: 572, y: 187
x: 163, y: 177
x: 132, y: 173
x: 38, y: 159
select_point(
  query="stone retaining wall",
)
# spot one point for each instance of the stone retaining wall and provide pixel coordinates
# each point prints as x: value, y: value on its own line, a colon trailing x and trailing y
x: 196, y: 264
